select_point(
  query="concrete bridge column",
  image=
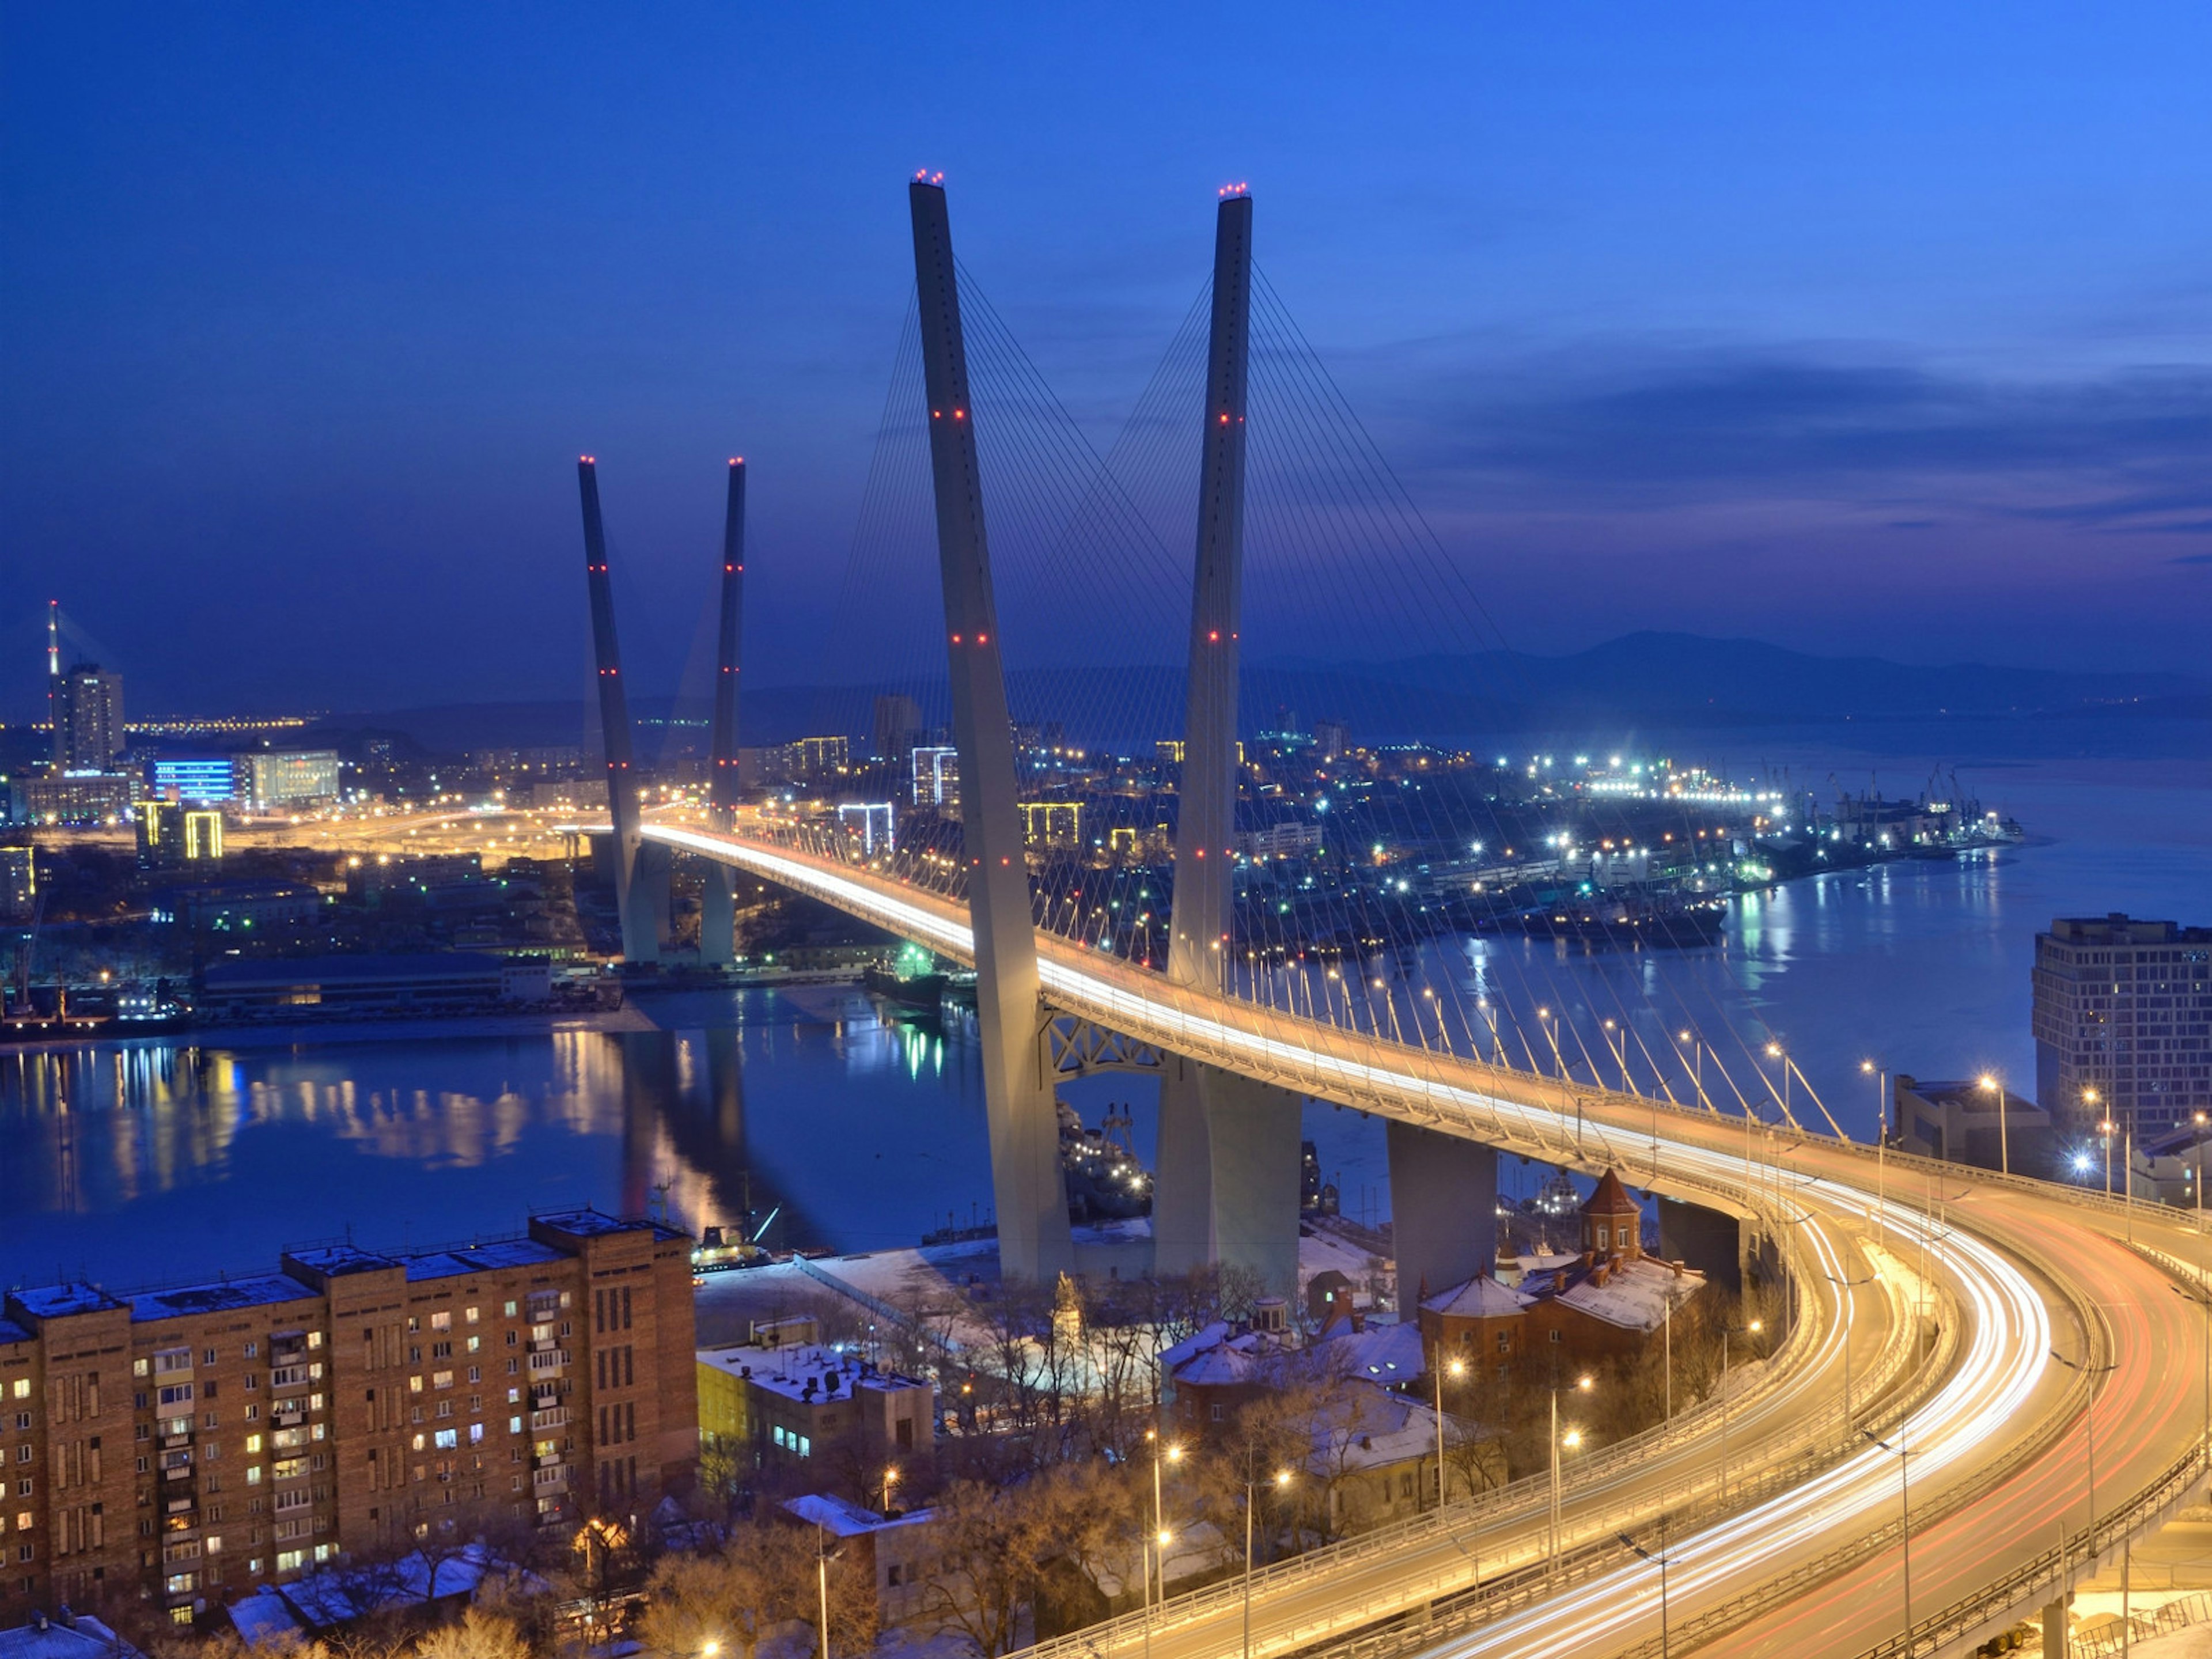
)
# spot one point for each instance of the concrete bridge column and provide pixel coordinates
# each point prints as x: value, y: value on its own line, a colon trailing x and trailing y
x: 718, y: 916
x: 1444, y: 1211
x: 640, y: 939
x: 1031, y: 1196
x: 718, y: 900
x: 1226, y: 1189
x: 2054, y: 1629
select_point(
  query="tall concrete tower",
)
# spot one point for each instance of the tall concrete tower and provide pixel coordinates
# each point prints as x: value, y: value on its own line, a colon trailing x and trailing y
x: 1227, y: 1186
x: 718, y: 894
x: 640, y: 937
x: 1034, y: 1241
x: 54, y: 679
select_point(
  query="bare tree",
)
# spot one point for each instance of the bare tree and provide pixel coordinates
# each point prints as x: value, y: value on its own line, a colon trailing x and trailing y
x: 737, y: 1597
x: 478, y: 1636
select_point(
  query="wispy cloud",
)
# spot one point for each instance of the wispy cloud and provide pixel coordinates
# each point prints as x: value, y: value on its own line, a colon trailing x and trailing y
x: 1634, y: 424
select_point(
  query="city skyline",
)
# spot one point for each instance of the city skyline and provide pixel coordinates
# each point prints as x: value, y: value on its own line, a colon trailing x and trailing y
x: 1918, y: 373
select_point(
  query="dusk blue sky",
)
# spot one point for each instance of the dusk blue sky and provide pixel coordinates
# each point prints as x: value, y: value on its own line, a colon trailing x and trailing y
x: 1885, y: 330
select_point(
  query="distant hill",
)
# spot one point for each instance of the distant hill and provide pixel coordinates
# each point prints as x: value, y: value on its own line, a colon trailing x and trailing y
x: 1645, y: 679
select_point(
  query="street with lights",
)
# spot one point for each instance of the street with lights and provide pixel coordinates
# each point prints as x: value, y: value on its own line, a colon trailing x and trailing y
x: 1988, y: 1458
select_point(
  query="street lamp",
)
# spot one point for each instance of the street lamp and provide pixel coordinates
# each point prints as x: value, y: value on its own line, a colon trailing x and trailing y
x: 1458, y: 1368
x: 1774, y: 1051
x: 2089, y: 1426
x: 1543, y: 1017
x: 1174, y: 1455
x: 1905, y: 1512
x: 1990, y: 1083
x: 1697, y: 1065
x: 1850, y: 1309
x: 1881, y: 1076
x: 891, y: 1479
x: 1728, y: 1331
x: 1573, y: 1439
x: 2106, y: 1129
x: 1282, y: 1479
x: 1616, y: 1040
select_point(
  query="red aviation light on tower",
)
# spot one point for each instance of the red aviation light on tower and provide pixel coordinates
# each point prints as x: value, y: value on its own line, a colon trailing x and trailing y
x: 1228, y: 191
x: 589, y: 460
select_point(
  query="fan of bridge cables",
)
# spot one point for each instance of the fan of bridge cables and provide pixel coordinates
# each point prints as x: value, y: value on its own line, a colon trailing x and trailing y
x: 1395, y: 782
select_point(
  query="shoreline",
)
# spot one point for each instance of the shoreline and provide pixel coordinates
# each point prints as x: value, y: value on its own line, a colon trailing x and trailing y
x: 298, y: 1034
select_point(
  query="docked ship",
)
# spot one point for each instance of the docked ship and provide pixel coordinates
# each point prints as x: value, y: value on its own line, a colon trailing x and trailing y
x: 1099, y: 1168
x: 910, y: 982
x: 1665, y: 922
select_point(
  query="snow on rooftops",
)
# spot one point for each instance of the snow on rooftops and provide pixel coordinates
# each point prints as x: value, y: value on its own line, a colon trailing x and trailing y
x: 1206, y: 1336
x: 1635, y: 1296
x: 1388, y: 1354
x: 59, y: 1301
x: 260, y: 1290
x: 845, y: 1519
x: 73, y: 1636
x: 1366, y: 1428
x: 808, y: 1372
x: 1224, y: 1362
x: 1481, y: 1298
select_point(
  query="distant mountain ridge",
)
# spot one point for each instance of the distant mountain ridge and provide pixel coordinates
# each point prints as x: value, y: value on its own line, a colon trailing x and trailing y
x: 1648, y: 680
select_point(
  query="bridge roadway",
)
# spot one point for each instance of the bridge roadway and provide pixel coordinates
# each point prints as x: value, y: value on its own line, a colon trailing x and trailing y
x: 1996, y: 1452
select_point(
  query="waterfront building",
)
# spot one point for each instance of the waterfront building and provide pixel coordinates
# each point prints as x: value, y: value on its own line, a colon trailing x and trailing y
x: 1052, y: 825
x: 171, y: 833
x: 265, y: 779
x: 184, y: 1443
x: 19, y: 882
x: 83, y: 798
x: 937, y: 777
x: 897, y: 724
x: 87, y: 708
x: 871, y: 823
x: 196, y: 779
x: 235, y: 906
x: 390, y: 985
x: 1959, y: 1120
x: 2123, y: 1022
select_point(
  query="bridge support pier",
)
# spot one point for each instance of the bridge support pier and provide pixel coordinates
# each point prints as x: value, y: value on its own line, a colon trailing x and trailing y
x: 718, y: 916
x: 1444, y: 1211
x: 1717, y: 1245
x: 1226, y: 1189
x: 2054, y: 1629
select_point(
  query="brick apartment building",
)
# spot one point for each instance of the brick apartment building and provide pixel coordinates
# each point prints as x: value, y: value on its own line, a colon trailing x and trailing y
x: 186, y: 1444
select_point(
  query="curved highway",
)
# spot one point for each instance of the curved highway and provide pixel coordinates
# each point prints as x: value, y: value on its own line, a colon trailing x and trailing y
x: 1996, y: 1451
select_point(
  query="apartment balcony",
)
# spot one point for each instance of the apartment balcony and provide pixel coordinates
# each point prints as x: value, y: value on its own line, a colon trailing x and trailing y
x: 548, y: 1362
x: 555, y: 1417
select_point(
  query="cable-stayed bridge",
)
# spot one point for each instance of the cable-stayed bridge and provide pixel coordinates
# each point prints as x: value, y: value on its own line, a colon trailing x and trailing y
x: 1991, y: 1324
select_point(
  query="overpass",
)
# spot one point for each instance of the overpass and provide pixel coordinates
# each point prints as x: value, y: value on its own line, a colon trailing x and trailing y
x: 1948, y: 1500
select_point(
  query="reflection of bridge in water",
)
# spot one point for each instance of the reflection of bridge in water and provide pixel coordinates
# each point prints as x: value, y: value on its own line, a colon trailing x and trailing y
x: 1958, y: 1287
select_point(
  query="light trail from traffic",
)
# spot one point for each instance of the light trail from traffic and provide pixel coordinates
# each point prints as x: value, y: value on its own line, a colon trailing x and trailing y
x: 2004, y: 1402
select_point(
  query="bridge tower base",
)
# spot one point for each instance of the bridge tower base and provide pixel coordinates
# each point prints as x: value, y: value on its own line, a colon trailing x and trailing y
x: 1227, y: 1189
x: 1443, y: 1212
